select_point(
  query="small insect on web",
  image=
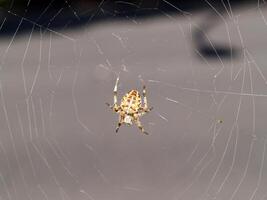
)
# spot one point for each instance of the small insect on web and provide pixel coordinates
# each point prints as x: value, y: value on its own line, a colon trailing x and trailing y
x: 130, y: 108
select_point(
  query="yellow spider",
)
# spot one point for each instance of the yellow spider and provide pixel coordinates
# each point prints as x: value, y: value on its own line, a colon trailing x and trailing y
x: 130, y: 108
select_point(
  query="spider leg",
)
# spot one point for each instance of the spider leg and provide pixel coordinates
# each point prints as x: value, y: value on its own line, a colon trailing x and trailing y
x: 115, y: 92
x: 143, y: 111
x: 119, y: 124
x: 145, y: 108
x: 145, y: 98
x: 138, y: 123
x: 115, y: 106
x: 108, y: 104
x: 118, y: 127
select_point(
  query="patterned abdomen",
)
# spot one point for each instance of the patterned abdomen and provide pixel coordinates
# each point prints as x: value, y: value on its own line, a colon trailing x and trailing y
x: 131, y: 102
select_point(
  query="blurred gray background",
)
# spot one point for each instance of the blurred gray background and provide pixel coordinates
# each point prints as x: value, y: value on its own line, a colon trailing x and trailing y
x: 204, y: 65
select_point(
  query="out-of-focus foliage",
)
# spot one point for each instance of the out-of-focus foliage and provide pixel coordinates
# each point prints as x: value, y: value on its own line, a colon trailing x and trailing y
x: 3, y: 3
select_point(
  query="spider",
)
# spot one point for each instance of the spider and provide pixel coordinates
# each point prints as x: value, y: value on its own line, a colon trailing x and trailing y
x: 130, y: 108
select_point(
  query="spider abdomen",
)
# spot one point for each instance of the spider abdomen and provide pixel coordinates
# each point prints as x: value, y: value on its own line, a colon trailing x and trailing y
x: 131, y: 102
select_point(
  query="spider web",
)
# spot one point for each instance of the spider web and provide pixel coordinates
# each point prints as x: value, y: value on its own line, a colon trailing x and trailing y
x: 204, y: 66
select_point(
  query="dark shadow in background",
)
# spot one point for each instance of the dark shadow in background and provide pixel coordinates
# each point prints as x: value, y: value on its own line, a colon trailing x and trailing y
x: 57, y: 15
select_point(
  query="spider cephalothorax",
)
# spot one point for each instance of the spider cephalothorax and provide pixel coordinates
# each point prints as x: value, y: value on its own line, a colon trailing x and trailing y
x: 130, y: 108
